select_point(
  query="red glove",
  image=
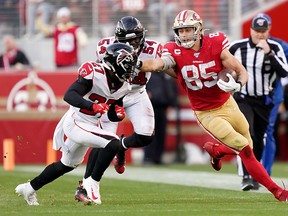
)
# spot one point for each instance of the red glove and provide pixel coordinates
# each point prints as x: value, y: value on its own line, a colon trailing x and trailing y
x: 100, y: 108
x: 120, y: 112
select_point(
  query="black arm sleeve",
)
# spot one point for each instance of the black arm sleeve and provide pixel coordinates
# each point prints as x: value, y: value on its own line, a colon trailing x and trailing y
x: 74, y: 94
x: 276, y: 65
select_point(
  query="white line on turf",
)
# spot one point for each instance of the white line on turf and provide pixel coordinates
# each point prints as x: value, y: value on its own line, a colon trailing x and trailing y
x: 168, y: 176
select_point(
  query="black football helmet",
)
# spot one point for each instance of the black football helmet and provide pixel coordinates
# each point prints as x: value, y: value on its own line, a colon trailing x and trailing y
x: 129, y: 29
x: 121, y: 60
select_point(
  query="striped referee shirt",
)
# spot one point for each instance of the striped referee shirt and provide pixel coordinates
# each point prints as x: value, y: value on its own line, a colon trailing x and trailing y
x: 262, y: 69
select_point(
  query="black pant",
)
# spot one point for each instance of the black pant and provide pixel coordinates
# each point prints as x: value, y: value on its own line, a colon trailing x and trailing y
x: 257, y: 111
x: 153, y: 153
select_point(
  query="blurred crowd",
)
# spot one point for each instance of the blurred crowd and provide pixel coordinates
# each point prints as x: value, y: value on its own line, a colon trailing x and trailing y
x: 98, y: 17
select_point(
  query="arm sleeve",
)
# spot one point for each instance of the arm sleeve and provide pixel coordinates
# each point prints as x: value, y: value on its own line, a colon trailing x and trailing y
x: 74, y: 94
x: 278, y: 65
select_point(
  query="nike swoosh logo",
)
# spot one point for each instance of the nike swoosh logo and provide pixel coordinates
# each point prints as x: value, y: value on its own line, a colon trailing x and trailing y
x: 93, y: 195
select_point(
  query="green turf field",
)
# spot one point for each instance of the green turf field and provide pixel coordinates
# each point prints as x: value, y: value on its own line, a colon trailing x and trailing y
x: 146, y: 195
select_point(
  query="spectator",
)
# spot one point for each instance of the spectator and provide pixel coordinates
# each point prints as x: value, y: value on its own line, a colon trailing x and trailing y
x: 68, y: 36
x: 162, y: 91
x: 157, y: 14
x: 34, y: 9
x: 264, y: 60
x: 270, y: 141
x: 12, y: 57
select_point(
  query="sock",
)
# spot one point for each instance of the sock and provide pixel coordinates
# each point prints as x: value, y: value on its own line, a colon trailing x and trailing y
x: 91, y: 162
x: 104, y: 159
x: 49, y: 174
x: 256, y: 170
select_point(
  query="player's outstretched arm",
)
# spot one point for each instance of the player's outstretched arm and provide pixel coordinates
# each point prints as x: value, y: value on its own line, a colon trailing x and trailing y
x: 151, y: 65
x: 156, y: 65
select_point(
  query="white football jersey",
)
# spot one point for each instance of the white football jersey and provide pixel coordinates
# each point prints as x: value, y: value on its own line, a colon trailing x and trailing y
x: 100, y: 92
x: 151, y: 50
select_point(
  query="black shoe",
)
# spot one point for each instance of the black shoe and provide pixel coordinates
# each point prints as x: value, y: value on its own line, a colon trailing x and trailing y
x: 247, y: 183
x: 256, y: 185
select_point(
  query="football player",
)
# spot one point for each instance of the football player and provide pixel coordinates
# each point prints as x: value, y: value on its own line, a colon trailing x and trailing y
x: 99, y: 89
x: 129, y: 30
x: 196, y: 59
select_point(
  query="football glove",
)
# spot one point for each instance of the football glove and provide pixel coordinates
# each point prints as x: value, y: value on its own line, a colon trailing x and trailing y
x: 230, y: 86
x: 120, y: 112
x: 100, y: 108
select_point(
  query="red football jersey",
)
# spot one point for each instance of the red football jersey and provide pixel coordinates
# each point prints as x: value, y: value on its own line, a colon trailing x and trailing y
x: 66, y: 50
x: 197, y: 71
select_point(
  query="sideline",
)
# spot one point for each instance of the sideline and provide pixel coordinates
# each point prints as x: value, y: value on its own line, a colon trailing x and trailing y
x: 168, y: 176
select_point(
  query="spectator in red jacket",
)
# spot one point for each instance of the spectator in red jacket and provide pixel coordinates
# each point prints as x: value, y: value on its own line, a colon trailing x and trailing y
x: 68, y: 36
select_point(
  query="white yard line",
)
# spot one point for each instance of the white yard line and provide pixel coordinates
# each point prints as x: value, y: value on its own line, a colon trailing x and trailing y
x: 168, y: 176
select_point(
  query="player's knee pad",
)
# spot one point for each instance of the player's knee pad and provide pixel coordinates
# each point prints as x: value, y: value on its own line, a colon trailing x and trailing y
x: 114, y: 145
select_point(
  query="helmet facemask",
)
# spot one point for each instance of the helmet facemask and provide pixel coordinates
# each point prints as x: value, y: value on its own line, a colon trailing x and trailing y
x: 127, y: 66
x: 121, y: 60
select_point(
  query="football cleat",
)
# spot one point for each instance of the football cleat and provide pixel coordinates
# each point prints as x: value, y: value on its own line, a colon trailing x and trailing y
x: 214, y: 160
x: 256, y: 185
x: 92, y: 188
x: 120, y: 161
x: 247, y: 183
x: 28, y: 193
x: 81, y: 194
x: 282, y: 195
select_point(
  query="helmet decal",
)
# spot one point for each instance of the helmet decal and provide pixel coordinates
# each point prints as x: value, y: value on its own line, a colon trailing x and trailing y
x: 121, y: 60
x: 124, y: 55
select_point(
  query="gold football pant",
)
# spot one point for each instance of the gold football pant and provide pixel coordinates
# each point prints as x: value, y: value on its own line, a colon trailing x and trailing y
x: 226, y: 124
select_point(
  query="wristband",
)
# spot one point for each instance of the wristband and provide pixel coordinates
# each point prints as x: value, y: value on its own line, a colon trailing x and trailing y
x: 139, y: 64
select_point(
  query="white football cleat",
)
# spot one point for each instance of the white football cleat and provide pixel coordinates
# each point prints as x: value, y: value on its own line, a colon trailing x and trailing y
x: 28, y: 193
x: 92, y: 187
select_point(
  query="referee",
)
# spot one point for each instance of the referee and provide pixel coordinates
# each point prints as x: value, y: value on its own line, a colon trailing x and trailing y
x: 264, y: 60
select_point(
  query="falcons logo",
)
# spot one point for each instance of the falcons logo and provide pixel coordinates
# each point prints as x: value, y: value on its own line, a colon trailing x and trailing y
x: 124, y: 55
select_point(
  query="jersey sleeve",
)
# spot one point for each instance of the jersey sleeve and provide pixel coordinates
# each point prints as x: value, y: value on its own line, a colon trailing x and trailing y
x: 101, y: 47
x: 86, y: 70
x: 220, y: 42
x: 168, y: 48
